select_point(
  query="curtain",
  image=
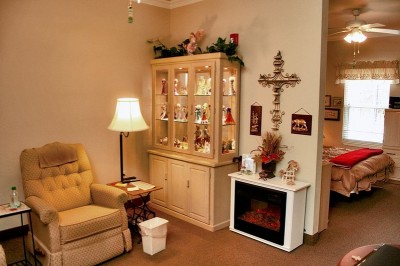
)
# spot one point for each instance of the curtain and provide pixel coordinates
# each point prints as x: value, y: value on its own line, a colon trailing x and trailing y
x: 366, y: 70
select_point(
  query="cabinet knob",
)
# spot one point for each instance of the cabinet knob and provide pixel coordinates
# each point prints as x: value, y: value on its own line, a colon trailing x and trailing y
x: 187, y: 183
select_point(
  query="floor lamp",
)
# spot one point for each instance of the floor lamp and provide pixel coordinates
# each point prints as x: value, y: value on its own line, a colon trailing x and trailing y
x: 127, y: 118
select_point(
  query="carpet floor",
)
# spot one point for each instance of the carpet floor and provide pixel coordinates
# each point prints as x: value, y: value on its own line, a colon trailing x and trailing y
x: 367, y: 218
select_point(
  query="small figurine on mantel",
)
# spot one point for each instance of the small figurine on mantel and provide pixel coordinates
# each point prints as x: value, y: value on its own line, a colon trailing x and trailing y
x: 288, y: 175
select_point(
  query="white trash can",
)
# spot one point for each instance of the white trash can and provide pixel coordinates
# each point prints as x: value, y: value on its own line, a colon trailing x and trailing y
x: 154, y: 235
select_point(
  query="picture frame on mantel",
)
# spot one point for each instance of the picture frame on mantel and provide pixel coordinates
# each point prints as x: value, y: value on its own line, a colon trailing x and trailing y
x: 332, y: 114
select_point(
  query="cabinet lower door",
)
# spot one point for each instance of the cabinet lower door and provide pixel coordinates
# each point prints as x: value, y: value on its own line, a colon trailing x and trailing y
x: 199, y: 193
x: 158, y: 177
x: 178, y: 184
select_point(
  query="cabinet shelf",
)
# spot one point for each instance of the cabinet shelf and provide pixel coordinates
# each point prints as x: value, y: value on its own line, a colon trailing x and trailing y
x: 191, y: 87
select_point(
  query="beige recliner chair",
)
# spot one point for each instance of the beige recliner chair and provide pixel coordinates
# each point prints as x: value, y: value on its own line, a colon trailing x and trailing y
x: 74, y: 221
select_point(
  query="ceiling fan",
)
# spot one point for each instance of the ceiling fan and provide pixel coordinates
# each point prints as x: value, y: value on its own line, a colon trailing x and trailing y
x: 356, y: 27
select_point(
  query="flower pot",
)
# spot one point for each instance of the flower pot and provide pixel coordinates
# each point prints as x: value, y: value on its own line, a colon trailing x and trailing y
x: 269, y: 168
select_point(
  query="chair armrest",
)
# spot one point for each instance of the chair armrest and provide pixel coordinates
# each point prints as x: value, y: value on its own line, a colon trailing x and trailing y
x: 45, y: 211
x: 108, y: 196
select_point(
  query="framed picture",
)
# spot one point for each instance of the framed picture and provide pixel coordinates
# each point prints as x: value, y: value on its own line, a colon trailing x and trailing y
x: 332, y: 114
x: 255, y: 120
x: 301, y: 124
x: 337, y: 102
x: 327, y: 100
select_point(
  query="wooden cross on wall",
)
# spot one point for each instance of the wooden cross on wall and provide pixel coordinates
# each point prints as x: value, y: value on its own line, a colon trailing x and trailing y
x: 278, y: 81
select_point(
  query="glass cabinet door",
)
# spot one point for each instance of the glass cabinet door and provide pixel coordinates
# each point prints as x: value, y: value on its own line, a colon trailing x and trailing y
x: 203, y: 95
x: 180, y: 108
x: 229, y: 109
x: 161, y: 116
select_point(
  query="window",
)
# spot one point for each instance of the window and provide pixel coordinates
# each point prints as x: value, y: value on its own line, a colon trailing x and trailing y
x: 364, y: 110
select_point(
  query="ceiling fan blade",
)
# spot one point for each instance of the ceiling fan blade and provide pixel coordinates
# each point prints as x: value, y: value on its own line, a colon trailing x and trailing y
x: 388, y: 31
x: 369, y: 26
x: 339, y: 32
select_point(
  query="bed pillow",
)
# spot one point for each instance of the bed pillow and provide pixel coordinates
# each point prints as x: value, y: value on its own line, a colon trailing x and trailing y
x: 353, y: 157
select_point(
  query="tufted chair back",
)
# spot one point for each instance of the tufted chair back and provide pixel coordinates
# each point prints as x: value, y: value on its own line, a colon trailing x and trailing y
x: 60, y: 174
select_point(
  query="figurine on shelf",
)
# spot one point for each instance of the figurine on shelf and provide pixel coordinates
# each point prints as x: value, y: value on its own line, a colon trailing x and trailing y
x: 206, y: 135
x: 208, y: 87
x: 164, y: 114
x: 205, y: 116
x: 225, y: 146
x: 177, y: 143
x: 176, y: 82
x: 197, y: 113
x: 223, y: 114
x: 233, y: 144
x: 164, y: 87
x: 197, y: 138
x: 184, y: 113
x: 229, y: 118
x: 288, y: 175
x: 177, y: 112
x: 207, y: 147
x: 232, y: 90
x: 223, y: 86
x: 183, y: 91
x: 201, y: 86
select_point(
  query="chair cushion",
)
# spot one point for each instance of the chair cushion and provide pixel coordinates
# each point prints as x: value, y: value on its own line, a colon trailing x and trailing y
x: 86, y: 221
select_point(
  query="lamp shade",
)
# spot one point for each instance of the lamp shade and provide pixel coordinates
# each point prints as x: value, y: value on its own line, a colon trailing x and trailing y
x: 127, y: 117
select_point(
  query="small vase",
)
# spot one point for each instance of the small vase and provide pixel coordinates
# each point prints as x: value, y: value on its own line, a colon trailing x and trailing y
x: 269, y: 168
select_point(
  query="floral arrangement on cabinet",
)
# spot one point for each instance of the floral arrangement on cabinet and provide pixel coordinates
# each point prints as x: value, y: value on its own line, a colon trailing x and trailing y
x: 190, y: 46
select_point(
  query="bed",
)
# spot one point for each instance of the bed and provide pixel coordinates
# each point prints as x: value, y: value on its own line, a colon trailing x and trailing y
x: 356, y: 170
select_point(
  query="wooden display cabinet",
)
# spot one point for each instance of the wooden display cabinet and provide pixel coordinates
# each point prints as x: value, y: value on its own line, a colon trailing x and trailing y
x: 195, y: 135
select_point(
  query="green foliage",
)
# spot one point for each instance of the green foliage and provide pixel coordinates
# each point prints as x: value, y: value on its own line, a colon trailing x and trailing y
x: 161, y: 51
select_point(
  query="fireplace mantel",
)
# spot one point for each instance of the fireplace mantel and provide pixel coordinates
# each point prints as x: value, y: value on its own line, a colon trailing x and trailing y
x: 293, y: 212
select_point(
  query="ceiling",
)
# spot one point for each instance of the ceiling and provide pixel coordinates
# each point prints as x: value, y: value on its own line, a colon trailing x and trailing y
x: 386, y: 12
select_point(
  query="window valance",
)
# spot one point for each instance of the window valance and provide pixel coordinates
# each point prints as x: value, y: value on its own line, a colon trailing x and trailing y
x: 365, y: 70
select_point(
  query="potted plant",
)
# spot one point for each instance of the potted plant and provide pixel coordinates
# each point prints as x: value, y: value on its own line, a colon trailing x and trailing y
x: 269, y: 152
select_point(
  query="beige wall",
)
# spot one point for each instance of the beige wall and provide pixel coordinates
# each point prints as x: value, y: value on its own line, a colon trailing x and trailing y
x: 63, y: 64
x: 372, y: 49
x: 265, y: 27
x: 67, y: 62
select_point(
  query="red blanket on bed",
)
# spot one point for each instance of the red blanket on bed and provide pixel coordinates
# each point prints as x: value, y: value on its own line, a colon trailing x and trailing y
x: 353, y: 157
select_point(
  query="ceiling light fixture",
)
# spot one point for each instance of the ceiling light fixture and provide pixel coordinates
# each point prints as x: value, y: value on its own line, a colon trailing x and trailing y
x: 355, y: 36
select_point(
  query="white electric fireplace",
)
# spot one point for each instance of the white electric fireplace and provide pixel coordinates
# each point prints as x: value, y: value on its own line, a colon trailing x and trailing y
x: 268, y: 211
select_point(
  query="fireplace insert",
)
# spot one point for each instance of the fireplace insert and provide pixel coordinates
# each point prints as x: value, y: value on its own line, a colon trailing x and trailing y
x: 260, y: 211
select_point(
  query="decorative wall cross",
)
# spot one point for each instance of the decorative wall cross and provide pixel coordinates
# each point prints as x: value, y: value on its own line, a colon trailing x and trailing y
x: 278, y: 81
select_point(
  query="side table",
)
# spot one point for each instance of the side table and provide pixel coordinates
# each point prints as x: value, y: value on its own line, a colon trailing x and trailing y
x: 6, y: 211
x: 136, y: 207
